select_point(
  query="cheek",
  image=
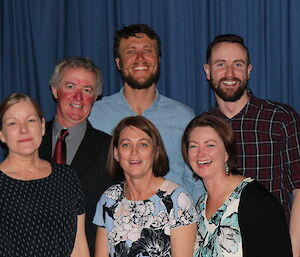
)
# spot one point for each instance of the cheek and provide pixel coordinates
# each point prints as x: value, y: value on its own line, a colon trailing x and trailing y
x: 63, y: 96
x: 88, y: 100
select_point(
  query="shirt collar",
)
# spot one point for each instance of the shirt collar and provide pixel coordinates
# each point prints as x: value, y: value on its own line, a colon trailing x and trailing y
x: 73, y: 131
x: 154, y: 105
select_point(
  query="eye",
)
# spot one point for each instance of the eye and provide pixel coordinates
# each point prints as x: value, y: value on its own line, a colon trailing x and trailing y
x: 88, y: 90
x: 32, y: 120
x: 192, y: 146
x: 125, y: 145
x: 148, y: 50
x: 239, y: 64
x: 12, y: 123
x: 220, y: 64
x: 210, y: 145
x: 70, y: 86
x: 131, y: 51
x: 143, y: 144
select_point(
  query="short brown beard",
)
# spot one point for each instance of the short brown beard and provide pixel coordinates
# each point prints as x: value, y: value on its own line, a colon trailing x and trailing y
x: 134, y: 84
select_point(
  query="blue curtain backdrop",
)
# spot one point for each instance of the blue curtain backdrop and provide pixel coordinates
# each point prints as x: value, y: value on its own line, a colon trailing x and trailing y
x: 35, y: 34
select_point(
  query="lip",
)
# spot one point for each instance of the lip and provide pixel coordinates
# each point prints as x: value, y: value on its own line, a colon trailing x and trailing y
x: 76, y: 106
x: 135, y: 162
x: 24, y: 140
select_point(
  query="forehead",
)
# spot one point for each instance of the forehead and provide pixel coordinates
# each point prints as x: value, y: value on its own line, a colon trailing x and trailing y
x: 79, y: 75
x: 139, y: 40
x: 227, y: 50
x: 204, y: 134
x: 22, y: 107
x: 133, y: 132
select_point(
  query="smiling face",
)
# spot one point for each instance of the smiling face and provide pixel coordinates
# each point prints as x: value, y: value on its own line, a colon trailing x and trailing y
x: 138, y: 61
x: 206, y: 152
x: 228, y: 71
x: 135, y: 153
x: 75, y: 96
x: 22, y: 129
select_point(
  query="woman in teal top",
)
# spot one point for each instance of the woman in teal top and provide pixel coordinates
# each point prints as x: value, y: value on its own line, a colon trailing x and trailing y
x: 237, y: 215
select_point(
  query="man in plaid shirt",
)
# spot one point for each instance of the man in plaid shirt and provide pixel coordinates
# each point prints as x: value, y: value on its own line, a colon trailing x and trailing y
x: 267, y: 133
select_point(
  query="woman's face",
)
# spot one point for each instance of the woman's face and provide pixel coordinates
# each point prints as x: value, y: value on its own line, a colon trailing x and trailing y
x: 206, y: 152
x: 135, y: 153
x: 22, y: 129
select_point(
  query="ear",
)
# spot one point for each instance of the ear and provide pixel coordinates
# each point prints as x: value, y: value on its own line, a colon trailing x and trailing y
x: 43, y: 126
x: 226, y: 156
x: 117, y: 60
x: 207, y: 71
x: 249, y: 69
x: 54, y: 92
x: 116, y: 154
x: 2, y: 138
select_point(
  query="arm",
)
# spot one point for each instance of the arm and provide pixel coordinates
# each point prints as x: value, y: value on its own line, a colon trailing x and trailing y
x: 263, y: 224
x: 80, y: 246
x: 101, y: 243
x: 295, y: 223
x: 183, y: 240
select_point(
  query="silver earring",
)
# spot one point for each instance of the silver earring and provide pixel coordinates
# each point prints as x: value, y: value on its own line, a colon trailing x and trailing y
x: 227, y: 171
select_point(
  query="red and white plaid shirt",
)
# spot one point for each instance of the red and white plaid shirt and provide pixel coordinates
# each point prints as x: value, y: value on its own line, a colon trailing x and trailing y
x: 268, y: 146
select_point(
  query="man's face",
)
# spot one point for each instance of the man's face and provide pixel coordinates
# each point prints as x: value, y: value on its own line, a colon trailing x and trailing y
x: 75, y: 96
x: 228, y: 71
x: 138, y: 61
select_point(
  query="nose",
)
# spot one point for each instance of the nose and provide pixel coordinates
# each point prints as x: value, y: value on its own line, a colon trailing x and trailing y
x: 229, y: 71
x: 23, y: 128
x: 134, y: 150
x: 140, y: 56
x: 78, y: 95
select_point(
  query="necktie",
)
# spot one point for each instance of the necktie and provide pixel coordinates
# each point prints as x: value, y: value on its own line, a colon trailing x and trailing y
x: 60, y: 151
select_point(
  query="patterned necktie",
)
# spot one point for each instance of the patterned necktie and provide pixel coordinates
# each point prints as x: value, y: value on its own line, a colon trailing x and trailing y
x: 60, y: 151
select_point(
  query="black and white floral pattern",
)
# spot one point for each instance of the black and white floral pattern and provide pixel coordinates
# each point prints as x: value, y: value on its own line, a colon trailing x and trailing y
x: 142, y: 228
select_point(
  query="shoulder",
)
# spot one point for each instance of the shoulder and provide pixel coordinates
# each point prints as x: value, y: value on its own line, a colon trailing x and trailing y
x: 281, y: 110
x: 175, y: 106
x: 106, y: 101
x: 98, y: 134
x: 114, y: 192
x: 255, y: 198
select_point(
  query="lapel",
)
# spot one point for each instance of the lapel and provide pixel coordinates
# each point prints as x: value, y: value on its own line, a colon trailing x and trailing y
x: 85, y: 152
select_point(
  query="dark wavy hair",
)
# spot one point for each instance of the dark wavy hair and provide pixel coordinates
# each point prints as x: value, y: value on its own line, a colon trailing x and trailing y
x: 132, y: 31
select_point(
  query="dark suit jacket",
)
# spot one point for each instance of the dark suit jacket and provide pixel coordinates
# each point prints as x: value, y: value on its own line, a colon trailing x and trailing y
x: 89, y: 162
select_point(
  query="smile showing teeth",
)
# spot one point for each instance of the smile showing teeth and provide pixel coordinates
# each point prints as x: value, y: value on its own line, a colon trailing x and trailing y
x: 204, y: 162
x: 76, y: 106
x: 135, y: 162
x: 229, y: 83
x: 141, y: 68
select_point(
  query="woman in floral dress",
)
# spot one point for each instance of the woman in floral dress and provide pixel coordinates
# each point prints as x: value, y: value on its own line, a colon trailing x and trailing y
x: 145, y: 215
x: 237, y: 216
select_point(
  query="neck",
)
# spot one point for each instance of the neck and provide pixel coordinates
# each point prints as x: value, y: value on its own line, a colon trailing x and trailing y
x: 142, y: 189
x: 140, y: 99
x: 25, y: 167
x: 222, y: 186
x: 230, y: 109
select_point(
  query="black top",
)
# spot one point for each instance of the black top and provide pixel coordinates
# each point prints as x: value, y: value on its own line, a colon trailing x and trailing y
x: 39, y: 217
x: 263, y: 224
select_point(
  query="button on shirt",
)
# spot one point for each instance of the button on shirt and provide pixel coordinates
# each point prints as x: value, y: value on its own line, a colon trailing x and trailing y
x: 169, y: 116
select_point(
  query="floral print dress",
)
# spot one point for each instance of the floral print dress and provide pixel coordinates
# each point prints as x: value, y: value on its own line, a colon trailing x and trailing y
x: 220, y: 236
x: 142, y: 228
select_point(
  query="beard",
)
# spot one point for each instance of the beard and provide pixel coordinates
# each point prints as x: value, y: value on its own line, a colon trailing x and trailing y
x: 224, y: 95
x: 135, y: 84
